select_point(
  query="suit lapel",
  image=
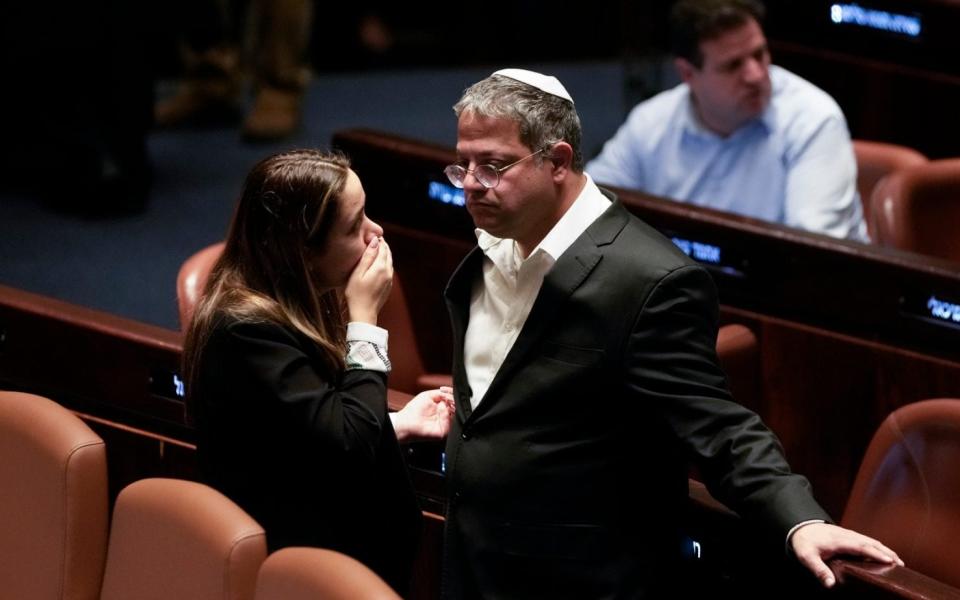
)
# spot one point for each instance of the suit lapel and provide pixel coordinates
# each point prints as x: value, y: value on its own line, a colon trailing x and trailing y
x: 457, y: 296
x: 570, y: 271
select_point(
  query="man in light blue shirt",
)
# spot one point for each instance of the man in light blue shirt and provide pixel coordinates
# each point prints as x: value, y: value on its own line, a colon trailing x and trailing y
x: 739, y: 134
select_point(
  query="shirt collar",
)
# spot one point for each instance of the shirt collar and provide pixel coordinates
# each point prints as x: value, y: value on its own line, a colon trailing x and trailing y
x: 589, y: 205
x: 690, y: 123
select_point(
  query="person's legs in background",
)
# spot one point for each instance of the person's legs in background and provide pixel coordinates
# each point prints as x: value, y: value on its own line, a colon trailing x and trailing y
x: 209, y: 93
x: 281, y: 31
x: 228, y: 41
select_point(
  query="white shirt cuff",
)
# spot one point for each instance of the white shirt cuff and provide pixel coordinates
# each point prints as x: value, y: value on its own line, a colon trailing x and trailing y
x: 367, y: 347
x: 365, y: 332
x: 798, y: 526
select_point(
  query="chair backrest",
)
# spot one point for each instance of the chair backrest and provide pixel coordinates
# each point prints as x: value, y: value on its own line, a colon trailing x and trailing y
x: 739, y: 355
x: 406, y: 361
x: 918, y: 209
x: 53, y: 501
x: 181, y: 540
x: 876, y: 160
x: 314, y: 573
x: 408, y: 374
x: 907, y: 491
x: 192, y: 278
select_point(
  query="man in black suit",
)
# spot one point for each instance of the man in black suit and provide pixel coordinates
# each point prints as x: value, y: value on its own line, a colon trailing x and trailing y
x: 586, y: 375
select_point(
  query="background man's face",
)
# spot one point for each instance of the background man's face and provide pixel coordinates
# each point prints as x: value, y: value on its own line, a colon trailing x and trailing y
x: 732, y: 86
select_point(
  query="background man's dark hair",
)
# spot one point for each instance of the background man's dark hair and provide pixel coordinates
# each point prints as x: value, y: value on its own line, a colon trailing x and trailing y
x: 693, y: 21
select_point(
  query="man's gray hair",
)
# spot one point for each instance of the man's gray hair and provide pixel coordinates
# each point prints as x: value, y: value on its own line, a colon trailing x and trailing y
x: 544, y: 119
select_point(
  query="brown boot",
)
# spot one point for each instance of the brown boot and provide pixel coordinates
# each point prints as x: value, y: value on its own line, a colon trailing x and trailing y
x: 197, y: 104
x: 209, y: 96
x: 275, y: 115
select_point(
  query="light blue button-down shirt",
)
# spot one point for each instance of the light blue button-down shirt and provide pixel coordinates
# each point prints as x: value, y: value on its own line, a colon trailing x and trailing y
x: 794, y: 164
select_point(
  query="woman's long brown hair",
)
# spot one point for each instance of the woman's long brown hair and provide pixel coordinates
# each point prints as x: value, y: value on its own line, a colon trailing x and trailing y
x: 286, y: 210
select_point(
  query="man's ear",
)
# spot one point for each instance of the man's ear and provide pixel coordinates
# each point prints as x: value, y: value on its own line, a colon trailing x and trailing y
x: 561, y: 155
x: 685, y: 69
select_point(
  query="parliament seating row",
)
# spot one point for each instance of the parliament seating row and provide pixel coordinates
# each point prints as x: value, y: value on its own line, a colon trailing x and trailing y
x: 110, y: 367
x: 178, y: 539
x: 14, y: 348
x: 846, y: 332
x: 909, y: 202
x: 905, y: 495
x: 169, y: 538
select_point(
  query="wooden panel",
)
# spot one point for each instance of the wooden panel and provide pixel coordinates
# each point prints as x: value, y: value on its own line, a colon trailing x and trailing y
x: 824, y: 394
x: 134, y: 454
x: 425, y: 262
x: 91, y: 361
x: 426, y: 568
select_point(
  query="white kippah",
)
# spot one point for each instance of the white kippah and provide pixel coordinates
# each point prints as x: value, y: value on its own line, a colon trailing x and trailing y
x: 547, y: 83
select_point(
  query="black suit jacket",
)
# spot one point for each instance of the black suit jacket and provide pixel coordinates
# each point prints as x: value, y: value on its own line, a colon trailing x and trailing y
x: 569, y: 478
x: 311, y: 456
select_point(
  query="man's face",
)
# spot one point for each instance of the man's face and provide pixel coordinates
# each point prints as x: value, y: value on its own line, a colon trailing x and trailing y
x: 519, y: 207
x: 733, y: 85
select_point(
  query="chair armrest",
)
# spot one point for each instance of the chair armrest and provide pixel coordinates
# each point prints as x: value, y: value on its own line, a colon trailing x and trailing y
x: 431, y: 381
x: 862, y: 579
x: 397, y: 399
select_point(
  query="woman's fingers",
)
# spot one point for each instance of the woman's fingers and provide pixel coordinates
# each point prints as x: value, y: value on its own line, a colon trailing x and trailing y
x: 367, y: 259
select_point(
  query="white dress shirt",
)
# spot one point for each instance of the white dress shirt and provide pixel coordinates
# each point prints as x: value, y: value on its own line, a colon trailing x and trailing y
x: 502, y: 298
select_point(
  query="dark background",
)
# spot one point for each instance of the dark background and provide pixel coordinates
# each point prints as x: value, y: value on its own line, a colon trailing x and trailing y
x: 98, y: 209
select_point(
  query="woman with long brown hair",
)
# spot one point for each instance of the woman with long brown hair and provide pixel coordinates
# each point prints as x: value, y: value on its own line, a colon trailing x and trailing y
x: 286, y: 369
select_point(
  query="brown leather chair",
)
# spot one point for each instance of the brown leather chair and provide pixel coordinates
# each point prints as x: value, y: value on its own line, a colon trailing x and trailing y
x: 876, y: 160
x: 735, y: 344
x: 53, y: 502
x: 180, y: 540
x: 918, y: 209
x: 192, y: 278
x: 739, y: 355
x: 907, y: 491
x: 408, y: 376
x: 313, y: 573
x: 408, y: 373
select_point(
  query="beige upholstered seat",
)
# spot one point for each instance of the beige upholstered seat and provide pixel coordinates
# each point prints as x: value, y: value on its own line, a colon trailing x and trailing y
x: 315, y: 574
x: 53, y: 502
x: 180, y: 540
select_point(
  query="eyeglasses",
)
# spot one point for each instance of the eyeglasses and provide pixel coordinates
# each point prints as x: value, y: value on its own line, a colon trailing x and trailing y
x: 486, y: 175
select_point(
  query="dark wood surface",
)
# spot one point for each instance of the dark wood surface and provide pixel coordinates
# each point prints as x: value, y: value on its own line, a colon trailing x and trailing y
x: 871, y: 580
x: 92, y: 361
